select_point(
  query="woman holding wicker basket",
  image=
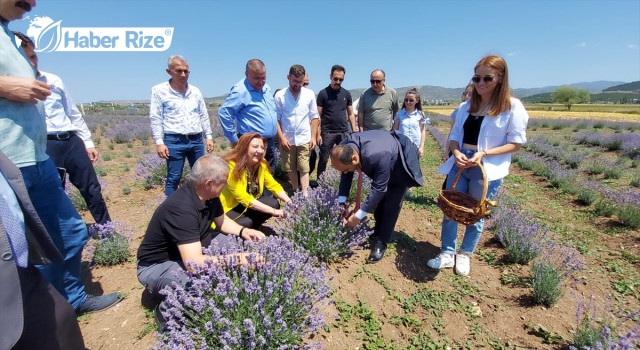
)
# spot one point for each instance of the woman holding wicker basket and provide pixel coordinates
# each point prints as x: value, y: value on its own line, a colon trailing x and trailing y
x: 488, y: 128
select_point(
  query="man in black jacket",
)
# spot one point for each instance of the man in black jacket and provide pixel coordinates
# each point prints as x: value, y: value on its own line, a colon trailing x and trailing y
x: 391, y: 161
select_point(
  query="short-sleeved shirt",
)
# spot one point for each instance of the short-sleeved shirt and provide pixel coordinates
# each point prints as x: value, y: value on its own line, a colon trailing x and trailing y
x: 378, y: 109
x: 334, y: 105
x: 180, y: 219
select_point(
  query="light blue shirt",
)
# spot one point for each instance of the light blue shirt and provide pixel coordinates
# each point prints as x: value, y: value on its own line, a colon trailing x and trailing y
x: 248, y: 110
x: 173, y: 113
x: 410, y: 125
x: 23, y: 126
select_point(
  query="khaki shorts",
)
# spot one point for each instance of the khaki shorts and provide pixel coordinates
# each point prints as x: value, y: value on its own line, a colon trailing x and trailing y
x: 297, y: 158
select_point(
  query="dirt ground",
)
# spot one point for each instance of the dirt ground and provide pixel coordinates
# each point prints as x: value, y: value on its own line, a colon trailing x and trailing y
x: 502, y: 313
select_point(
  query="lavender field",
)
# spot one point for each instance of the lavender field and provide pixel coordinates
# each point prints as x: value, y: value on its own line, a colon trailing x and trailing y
x: 558, y: 267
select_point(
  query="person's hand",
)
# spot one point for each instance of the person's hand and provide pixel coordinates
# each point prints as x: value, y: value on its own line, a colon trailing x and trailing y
x: 352, y: 221
x: 420, y: 152
x: 252, y: 235
x: 461, y: 160
x: 284, y: 143
x: 24, y: 90
x: 210, y: 145
x: 319, y: 140
x: 93, y: 154
x: 477, y: 157
x: 163, y: 151
x: 278, y: 213
x: 312, y: 144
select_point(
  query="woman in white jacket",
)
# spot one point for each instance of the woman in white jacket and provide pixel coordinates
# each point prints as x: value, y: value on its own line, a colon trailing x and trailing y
x: 488, y: 128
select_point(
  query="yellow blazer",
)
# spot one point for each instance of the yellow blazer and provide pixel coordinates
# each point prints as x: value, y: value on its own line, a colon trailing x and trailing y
x: 236, y: 190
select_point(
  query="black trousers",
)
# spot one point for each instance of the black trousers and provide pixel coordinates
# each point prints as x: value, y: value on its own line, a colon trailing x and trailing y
x: 329, y: 140
x: 49, y: 321
x: 71, y: 154
x: 388, y: 210
x: 253, y: 218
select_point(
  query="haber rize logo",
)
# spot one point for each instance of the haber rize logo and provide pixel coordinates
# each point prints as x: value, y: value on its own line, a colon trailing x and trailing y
x: 49, y: 35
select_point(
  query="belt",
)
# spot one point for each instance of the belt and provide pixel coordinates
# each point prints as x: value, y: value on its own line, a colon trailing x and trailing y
x: 186, y: 136
x: 61, y: 136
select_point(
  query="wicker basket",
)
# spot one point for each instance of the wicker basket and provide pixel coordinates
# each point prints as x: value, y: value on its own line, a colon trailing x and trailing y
x: 463, y: 208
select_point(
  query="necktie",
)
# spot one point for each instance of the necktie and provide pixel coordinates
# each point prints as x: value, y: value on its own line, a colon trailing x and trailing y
x: 16, y: 234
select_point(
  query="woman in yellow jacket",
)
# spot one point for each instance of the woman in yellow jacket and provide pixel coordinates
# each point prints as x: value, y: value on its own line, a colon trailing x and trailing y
x: 249, y: 173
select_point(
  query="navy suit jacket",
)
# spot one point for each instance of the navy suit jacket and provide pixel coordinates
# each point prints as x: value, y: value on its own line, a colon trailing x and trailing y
x: 383, y: 156
x: 41, y: 251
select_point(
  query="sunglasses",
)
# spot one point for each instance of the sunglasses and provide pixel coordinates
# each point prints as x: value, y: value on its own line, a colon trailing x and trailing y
x: 487, y: 79
x: 305, y: 84
x: 180, y: 71
x: 409, y: 100
x: 375, y: 81
x: 338, y: 79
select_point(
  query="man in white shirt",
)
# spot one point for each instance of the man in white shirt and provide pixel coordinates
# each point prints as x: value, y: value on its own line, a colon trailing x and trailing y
x: 179, y: 117
x: 69, y: 141
x: 298, y: 122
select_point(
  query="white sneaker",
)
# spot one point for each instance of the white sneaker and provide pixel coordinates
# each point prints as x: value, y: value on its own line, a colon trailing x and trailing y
x: 463, y: 264
x: 442, y: 261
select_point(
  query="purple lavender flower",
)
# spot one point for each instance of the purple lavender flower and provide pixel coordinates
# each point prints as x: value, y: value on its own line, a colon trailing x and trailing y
x: 272, y: 304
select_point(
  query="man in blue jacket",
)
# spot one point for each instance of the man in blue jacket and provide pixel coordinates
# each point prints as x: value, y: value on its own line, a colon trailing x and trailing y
x: 391, y: 161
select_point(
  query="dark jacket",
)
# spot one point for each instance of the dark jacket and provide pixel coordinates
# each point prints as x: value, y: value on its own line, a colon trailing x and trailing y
x: 41, y: 251
x: 389, y: 159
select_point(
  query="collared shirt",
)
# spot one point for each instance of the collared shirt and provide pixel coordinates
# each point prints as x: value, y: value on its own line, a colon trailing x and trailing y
x: 410, y: 125
x: 248, y: 110
x: 173, y: 113
x: 62, y: 114
x: 378, y: 109
x: 507, y: 127
x: 295, y: 114
x: 334, y: 105
x: 10, y: 197
x: 24, y: 131
x: 180, y: 219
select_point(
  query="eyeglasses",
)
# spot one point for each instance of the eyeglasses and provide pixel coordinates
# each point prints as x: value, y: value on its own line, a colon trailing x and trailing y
x: 305, y: 84
x: 375, y: 81
x: 487, y: 79
x: 180, y: 71
x: 409, y: 100
x: 338, y: 79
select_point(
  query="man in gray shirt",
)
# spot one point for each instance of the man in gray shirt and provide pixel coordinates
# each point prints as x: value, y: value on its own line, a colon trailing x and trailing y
x: 378, y: 105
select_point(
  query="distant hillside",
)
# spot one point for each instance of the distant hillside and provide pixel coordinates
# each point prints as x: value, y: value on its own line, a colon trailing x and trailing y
x: 430, y: 92
x: 632, y: 86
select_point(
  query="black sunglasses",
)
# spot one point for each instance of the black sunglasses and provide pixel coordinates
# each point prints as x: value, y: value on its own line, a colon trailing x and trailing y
x: 375, y: 81
x: 487, y: 78
x: 338, y: 79
x: 305, y: 84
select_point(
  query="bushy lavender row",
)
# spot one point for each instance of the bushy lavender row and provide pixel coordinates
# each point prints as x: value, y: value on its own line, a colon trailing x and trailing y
x: 578, y: 124
x: 551, y: 270
x: 541, y: 146
x: 112, y: 243
x: 521, y: 234
x: 270, y: 304
x: 441, y: 138
x: 129, y: 131
x: 606, y: 330
x: 151, y: 171
x: 315, y: 224
x: 627, y: 143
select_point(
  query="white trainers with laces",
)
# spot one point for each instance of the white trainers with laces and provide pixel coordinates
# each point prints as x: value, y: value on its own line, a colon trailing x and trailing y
x: 442, y: 261
x: 463, y: 264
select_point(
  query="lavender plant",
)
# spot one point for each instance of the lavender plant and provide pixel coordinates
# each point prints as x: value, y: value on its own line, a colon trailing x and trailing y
x: 271, y: 304
x: 551, y: 269
x: 608, y: 330
x: 74, y: 195
x: 315, y: 224
x: 112, y: 243
x: 520, y: 233
x: 331, y: 179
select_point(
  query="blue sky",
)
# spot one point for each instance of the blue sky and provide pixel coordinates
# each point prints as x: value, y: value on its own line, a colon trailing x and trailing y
x: 437, y: 43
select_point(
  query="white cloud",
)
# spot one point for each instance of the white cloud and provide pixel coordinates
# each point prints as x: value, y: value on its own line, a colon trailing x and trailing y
x: 632, y: 46
x: 512, y: 54
x: 582, y: 45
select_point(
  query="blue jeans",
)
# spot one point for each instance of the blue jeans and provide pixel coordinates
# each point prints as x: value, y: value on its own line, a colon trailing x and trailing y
x: 65, y: 226
x: 470, y: 182
x: 180, y: 147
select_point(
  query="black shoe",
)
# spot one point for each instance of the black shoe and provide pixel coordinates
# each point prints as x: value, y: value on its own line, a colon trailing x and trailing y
x: 160, y: 320
x: 98, y: 303
x: 377, y: 252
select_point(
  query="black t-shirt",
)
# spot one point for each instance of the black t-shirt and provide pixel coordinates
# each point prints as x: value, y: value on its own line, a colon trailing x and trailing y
x: 334, y: 109
x: 180, y: 219
x: 471, y: 129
